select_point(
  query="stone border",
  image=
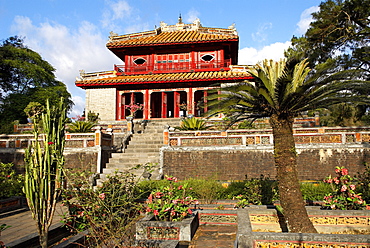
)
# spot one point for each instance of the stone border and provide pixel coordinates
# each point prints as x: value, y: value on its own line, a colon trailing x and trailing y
x: 246, y: 238
x: 147, y: 229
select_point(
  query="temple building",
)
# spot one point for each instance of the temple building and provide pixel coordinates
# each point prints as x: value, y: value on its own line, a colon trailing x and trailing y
x: 167, y: 71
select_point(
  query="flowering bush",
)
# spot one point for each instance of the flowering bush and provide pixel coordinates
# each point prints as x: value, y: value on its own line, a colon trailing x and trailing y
x: 108, y: 211
x: 344, y: 194
x: 11, y: 183
x: 170, y: 203
x: 134, y: 108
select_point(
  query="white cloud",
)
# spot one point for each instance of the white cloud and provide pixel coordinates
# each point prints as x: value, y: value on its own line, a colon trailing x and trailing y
x: 306, y: 19
x: 115, y: 11
x: 68, y: 50
x: 192, y: 15
x: 251, y: 56
x: 261, y: 35
x: 79, y: 106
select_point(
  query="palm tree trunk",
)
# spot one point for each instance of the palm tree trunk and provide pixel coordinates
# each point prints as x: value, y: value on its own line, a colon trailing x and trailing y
x: 286, y: 165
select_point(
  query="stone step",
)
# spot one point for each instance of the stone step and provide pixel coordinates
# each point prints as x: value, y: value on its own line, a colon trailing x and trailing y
x: 132, y: 162
x: 132, y: 158
x: 148, y: 142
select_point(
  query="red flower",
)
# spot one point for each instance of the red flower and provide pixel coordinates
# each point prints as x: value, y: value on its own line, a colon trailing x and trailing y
x: 50, y: 143
x: 102, y: 196
x: 155, y: 212
x: 158, y: 194
x: 344, y: 171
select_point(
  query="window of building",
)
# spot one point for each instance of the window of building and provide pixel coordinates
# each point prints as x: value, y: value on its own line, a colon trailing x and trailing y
x: 207, y: 57
x: 139, y: 61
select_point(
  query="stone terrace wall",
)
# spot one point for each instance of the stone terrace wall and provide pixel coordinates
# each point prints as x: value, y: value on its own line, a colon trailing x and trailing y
x: 234, y: 163
x: 233, y: 154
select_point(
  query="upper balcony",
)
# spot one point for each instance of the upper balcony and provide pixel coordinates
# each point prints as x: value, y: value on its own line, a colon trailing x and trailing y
x: 173, y: 67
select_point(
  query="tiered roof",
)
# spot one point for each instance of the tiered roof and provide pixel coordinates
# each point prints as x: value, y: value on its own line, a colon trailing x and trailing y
x: 179, y: 33
x: 184, y: 77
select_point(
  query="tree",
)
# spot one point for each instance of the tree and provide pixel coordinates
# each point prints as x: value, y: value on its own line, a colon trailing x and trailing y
x: 340, y: 29
x: 25, y: 77
x: 281, y: 90
x: 44, y: 163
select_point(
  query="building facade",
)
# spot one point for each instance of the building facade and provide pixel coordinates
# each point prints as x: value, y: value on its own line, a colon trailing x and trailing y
x: 167, y: 71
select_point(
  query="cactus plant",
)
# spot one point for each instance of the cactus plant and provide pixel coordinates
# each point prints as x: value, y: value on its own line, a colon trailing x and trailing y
x: 44, y: 163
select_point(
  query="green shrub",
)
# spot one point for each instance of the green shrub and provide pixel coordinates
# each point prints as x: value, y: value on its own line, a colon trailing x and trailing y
x: 257, y: 191
x: 192, y: 124
x: 234, y: 189
x: 315, y: 191
x: 207, y: 189
x: 11, y: 183
x: 81, y: 127
x: 364, y: 183
x: 108, y: 212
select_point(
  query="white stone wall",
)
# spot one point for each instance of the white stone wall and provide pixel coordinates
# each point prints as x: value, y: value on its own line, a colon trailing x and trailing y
x: 102, y: 101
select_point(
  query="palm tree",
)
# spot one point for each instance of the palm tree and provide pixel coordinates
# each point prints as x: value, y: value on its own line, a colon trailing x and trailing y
x: 281, y: 91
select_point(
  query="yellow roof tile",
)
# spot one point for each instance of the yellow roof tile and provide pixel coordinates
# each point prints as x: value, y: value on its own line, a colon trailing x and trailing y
x: 165, y: 78
x: 171, y: 38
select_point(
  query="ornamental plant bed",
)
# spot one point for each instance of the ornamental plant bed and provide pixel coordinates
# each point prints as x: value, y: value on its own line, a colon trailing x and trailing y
x: 259, y: 226
x: 12, y: 203
x: 149, y: 229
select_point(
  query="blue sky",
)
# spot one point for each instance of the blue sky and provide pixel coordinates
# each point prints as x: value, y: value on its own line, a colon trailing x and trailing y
x: 71, y: 34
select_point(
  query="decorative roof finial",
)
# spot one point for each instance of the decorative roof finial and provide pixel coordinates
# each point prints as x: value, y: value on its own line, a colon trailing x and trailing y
x: 180, y: 19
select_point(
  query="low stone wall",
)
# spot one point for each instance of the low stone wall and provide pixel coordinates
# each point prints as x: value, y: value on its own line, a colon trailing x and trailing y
x: 315, y: 162
x: 148, y: 229
x: 251, y: 220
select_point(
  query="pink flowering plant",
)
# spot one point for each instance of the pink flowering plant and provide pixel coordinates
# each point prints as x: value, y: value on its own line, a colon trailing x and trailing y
x: 344, y: 196
x: 170, y: 203
x: 133, y: 108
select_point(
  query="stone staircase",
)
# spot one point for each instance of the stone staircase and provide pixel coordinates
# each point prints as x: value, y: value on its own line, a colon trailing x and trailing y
x: 143, y: 148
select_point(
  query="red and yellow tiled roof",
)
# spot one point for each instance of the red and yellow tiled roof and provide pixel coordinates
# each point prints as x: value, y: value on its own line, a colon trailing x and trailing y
x: 226, y: 76
x: 175, y: 37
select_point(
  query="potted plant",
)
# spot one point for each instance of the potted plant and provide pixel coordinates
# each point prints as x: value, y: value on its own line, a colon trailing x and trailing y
x: 133, y: 108
x: 168, y: 214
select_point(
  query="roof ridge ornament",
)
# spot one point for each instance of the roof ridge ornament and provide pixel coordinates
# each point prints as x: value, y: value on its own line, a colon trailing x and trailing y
x: 180, y: 19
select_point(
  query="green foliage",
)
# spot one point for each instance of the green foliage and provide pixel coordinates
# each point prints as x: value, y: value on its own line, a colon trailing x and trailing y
x: 341, y: 114
x: 170, y: 203
x: 11, y: 183
x: 108, y: 212
x: 34, y: 109
x: 257, y: 191
x: 344, y: 195
x: 81, y: 127
x: 246, y: 125
x: 25, y: 77
x: 315, y: 191
x: 206, y: 189
x: 92, y: 116
x: 363, y: 180
x: 44, y: 161
x: 192, y: 124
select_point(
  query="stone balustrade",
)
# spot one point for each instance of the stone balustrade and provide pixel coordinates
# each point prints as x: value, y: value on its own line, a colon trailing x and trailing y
x: 320, y: 135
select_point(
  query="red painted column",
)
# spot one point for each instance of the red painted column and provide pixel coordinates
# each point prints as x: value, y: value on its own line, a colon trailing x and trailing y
x: 205, y: 96
x: 118, y: 105
x: 192, y: 55
x: 176, y: 100
x: 146, y: 105
x: 190, y: 102
x: 164, y: 105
